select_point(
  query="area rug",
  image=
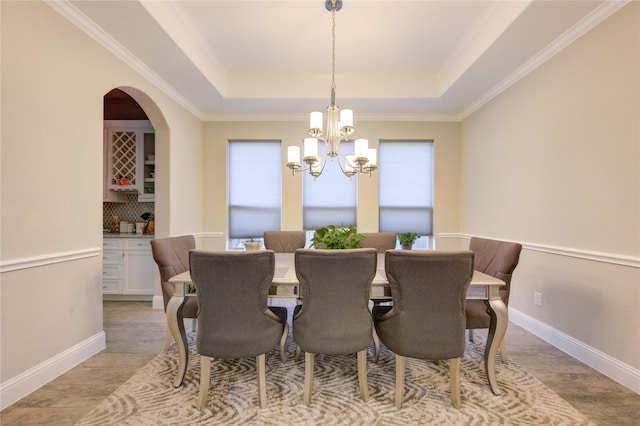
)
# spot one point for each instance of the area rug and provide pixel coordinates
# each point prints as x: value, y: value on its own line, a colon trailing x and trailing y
x: 148, y: 397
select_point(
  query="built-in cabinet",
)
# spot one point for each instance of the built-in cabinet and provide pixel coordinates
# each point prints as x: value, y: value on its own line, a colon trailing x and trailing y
x: 129, y: 160
x: 128, y: 268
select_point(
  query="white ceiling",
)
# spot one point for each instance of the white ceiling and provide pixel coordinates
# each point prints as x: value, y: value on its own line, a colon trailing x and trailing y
x: 406, y: 60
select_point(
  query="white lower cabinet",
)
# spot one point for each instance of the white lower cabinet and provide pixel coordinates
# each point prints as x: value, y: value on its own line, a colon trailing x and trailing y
x: 128, y: 269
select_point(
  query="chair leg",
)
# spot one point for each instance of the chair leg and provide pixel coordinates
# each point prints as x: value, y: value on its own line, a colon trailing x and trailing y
x: 296, y: 357
x: 262, y: 381
x: 167, y: 340
x: 283, y: 343
x: 503, y: 352
x: 308, y: 377
x: 399, y: 380
x: 471, y: 335
x: 454, y: 378
x: 362, y: 375
x: 205, y: 372
x: 376, y: 345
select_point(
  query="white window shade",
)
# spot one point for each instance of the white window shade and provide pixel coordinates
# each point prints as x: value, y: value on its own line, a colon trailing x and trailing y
x: 332, y: 198
x: 406, y: 187
x: 255, y: 182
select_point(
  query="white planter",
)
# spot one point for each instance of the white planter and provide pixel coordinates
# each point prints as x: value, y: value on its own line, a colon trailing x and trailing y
x: 252, y: 245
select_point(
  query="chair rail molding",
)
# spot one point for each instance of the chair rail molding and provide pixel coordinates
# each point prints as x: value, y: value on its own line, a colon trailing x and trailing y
x: 613, y: 258
x: 210, y: 240
x: 48, y: 259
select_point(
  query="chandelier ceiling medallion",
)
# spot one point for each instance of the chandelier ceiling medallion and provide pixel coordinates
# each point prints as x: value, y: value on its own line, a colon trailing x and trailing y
x: 339, y: 128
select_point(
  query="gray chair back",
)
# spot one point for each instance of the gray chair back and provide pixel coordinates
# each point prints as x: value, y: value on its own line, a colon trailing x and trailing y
x: 172, y: 257
x: 498, y: 259
x: 334, y: 317
x: 284, y: 241
x: 232, y: 287
x: 427, y: 319
x: 429, y: 288
x: 381, y: 241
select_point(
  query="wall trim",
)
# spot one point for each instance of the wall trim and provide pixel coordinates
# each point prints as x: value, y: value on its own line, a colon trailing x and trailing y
x: 605, y: 364
x: 22, y: 385
x: 613, y: 258
x: 48, y: 259
x: 604, y: 11
x: 210, y: 240
x: 157, y: 302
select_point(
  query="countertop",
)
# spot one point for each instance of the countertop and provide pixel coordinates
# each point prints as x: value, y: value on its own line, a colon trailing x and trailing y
x: 125, y: 235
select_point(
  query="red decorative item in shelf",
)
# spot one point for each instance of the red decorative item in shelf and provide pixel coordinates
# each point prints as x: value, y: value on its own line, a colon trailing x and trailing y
x: 123, y: 181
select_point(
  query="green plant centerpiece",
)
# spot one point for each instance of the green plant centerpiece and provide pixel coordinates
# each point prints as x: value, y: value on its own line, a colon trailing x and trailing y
x: 335, y: 238
x: 407, y: 239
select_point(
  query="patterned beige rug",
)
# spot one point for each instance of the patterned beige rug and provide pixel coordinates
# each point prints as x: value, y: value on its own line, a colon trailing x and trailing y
x: 149, y: 398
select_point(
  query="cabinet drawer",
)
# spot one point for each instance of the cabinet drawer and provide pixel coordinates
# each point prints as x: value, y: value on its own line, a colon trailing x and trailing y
x: 137, y: 244
x: 112, y: 287
x: 111, y: 244
x: 111, y: 272
x: 111, y: 257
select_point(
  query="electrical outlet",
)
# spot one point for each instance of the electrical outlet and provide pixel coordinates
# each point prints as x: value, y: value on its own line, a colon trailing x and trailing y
x: 537, y: 298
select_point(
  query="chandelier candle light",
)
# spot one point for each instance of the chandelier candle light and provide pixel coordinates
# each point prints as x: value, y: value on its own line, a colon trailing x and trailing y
x: 339, y: 128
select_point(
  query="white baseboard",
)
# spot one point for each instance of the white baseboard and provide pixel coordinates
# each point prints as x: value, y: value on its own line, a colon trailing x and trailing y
x: 605, y: 364
x: 157, y: 302
x: 22, y: 385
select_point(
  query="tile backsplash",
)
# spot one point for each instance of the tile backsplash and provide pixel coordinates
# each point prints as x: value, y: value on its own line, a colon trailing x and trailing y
x: 129, y: 211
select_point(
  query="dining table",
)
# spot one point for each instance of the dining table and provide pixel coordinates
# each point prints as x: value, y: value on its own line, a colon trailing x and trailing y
x: 285, y: 284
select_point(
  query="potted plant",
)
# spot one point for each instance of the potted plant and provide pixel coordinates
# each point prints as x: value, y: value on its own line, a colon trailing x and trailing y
x: 252, y: 244
x: 407, y: 239
x: 332, y: 237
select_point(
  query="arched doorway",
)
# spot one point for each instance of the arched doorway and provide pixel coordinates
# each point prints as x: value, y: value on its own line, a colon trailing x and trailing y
x: 130, y: 107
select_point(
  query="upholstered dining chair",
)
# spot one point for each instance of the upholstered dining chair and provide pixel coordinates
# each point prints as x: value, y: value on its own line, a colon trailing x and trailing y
x: 498, y: 259
x: 334, y: 317
x: 381, y: 241
x: 171, y: 254
x: 234, y: 319
x: 284, y: 241
x: 427, y: 319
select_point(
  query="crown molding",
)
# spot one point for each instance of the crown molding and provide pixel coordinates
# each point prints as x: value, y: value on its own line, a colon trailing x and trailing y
x: 410, y: 117
x: 69, y: 11
x: 601, y: 13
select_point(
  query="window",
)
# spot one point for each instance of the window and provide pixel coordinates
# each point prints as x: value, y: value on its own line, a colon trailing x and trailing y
x: 406, y: 187
x: 255, y: 186
x: 331, y: 199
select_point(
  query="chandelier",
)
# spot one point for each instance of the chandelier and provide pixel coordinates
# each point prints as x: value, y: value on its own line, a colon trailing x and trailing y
x: 323, y: 145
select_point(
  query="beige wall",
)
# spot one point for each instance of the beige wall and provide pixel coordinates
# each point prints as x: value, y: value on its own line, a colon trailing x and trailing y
x: 554, y: 162
x: 217, y: 134
x: 54, y: 78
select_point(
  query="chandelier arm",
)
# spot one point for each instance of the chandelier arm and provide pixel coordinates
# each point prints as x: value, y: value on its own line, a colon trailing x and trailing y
x: 343, y: 168
x: 319, y: 172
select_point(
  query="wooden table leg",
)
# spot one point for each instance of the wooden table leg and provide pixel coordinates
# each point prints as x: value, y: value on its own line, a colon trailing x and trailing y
x: 175, y: 322
x: 497, y: 328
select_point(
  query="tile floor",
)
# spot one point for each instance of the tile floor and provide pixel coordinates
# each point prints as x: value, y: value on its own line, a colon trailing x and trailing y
x: 135, y: 334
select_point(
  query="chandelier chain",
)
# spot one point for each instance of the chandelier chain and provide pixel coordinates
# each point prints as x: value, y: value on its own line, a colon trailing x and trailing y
x: 333, y: 49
